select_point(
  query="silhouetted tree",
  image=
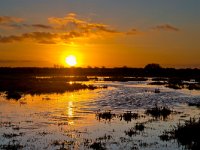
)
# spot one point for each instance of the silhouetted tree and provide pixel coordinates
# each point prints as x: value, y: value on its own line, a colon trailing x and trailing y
x: 153, y: 69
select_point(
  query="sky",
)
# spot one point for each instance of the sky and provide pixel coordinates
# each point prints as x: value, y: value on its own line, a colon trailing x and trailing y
x: 110, y: 33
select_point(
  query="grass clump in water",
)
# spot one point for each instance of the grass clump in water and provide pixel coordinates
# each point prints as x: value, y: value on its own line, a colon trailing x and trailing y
x: 158, y: 112
x: 128, y: 116
x: 139, y: 127
x: 97, y: 146
x: 14, y: 145
x: 187, y: 134
x: 194, y: 104
x: 131, y: 132
x: 107, y: 115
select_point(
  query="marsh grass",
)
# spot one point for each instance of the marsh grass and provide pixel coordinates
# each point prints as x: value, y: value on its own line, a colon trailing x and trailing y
x: 107, y: 115
x: 97, y: 146
x: 13, y: 145
x: 177, y: 83
x: 125, y: 79
x: 128, y: 116
x: 139, y: 127
x: 194, y: 104
x: 11, y: 135
x: 131, y: 132
x: 187, y: 134
x: 159, y: 112
x: 16, y: 87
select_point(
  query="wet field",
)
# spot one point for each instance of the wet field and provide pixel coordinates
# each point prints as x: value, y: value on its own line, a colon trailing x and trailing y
x: 103, y: 118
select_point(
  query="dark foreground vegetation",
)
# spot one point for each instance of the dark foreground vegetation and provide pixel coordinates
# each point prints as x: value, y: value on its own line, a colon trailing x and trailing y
x: 159, y: 112
x: 18, y: 81
x: 150, y: 70
x: 177, y: 83
x: 108, y: 115
x: 187, y: 134
x: 15, y: 87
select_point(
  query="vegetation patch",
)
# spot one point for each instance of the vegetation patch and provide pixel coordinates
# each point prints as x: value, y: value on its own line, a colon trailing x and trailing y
x: 131, y: 132
x: 187, y: 134
x: 194, y: 104
x: 128, y: 116
x: 125, y: 79
x: 11, y: 135
x: 97, y: 146
x: 107, y: 115
x: 139, y: 127
x: 15, y: 87
x: 14, y: 145
x: 159, y: 112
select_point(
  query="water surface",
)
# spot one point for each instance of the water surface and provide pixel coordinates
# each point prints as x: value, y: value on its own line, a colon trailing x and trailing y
x: 69, y: 120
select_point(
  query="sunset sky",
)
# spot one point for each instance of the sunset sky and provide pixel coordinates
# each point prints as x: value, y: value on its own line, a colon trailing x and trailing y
x: 109, y: 33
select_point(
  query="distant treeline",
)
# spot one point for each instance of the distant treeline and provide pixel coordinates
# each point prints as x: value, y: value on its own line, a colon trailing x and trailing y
x: 150, y: 70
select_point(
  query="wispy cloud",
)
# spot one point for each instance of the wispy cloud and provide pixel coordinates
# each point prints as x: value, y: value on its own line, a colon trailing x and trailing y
x: 43, y: 37
x: 166, y: 27
x: 133, y: 31
x: 72, y: 22
x: 40, y: 26
x: 7, y: 22
x: 8, y: 19
x: 36, y: 36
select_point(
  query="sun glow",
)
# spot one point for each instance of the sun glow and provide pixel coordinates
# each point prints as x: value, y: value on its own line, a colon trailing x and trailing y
x: 71, y: 60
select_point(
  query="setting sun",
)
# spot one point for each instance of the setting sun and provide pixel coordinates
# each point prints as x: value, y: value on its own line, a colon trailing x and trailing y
x: 71, y: 60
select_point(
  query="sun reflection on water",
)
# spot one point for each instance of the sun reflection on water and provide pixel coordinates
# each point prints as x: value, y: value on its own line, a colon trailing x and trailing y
x: 70, y: 110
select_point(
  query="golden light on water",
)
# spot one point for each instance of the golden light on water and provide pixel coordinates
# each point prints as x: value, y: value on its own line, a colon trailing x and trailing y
x: 70, y: 112
x: 71, y: 60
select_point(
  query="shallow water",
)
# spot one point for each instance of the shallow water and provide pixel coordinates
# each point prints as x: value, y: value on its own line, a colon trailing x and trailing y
x: 55, y: 121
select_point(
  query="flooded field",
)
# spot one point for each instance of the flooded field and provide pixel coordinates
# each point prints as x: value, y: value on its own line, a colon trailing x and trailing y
x: 115, y: 117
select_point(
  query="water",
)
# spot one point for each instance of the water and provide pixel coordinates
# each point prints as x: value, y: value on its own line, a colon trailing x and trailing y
x: 69, y: 121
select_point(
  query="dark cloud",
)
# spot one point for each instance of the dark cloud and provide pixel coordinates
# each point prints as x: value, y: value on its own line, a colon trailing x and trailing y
x: 41, y: 26
x: 35, y: 36
x: 133, y: 32
x: 166, y: 27
x: 42, y: 37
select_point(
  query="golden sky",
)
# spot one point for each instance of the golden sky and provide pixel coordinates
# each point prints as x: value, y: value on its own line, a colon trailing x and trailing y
x: 112, y: 36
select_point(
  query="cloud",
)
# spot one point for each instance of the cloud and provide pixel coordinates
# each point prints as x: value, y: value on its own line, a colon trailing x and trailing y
x: 133, y: 32
x: 72, y: 22
x: 7, y: 19
x: 39, y: 37
x: 60, y: 30
x: 166, y: 27
x: 43, y: 37
x: 7, y: 23
x: 41, y: 26
x: 22, y: 26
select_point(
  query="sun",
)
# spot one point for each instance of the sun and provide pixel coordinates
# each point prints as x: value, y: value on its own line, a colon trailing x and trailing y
x: 71, y: 60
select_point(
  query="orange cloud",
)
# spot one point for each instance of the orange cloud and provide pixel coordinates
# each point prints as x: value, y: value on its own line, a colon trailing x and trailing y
x: 166, y: 27
x: 72, y: 22
x: 60, y: 30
